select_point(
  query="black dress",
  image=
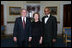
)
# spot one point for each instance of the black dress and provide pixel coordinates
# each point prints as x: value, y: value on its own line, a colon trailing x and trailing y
x: 37, y: 32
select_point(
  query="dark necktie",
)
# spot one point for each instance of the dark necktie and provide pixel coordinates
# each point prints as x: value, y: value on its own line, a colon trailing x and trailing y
x: 46, y: 16
x: 23, y: 23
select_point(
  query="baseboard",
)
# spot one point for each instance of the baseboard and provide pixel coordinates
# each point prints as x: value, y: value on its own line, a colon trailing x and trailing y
x: 11, y: 35
x: 6, y: 36
x: 59, y: 35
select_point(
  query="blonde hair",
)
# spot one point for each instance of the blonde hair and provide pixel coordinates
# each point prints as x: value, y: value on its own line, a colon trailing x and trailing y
x: 23, y: 9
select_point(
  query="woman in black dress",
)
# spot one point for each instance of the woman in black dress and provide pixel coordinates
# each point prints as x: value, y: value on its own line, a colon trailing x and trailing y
x: 37, y: 31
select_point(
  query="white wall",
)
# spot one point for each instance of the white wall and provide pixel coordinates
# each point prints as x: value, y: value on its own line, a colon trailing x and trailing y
x: 43, y: 4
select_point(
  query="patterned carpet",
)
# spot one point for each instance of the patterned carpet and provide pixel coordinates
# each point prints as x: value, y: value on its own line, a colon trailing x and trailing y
x: 8, y: 42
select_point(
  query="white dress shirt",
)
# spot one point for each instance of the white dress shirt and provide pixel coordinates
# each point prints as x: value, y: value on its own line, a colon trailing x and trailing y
x: 24, y: 19
x: 46, y: 19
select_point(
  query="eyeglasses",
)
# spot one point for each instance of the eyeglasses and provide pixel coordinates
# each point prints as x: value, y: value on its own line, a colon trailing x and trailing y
x: 46, y: 11
x: 23, y: 12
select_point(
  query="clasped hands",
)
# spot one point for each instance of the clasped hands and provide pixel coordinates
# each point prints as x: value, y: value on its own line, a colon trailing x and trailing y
x: 40, y: 41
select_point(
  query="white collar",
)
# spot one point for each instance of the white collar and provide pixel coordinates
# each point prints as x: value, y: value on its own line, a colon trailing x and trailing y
x: 24, y: 18
x: 48, y: 15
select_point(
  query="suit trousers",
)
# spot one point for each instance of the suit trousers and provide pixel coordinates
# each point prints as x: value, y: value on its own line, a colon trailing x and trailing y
x: 22, y: 44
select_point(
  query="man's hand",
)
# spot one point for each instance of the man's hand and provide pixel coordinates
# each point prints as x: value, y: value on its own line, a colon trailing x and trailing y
x: 54, y: 40
x: 30, y: 38
x: 15, y: 39
x: 40, y: 41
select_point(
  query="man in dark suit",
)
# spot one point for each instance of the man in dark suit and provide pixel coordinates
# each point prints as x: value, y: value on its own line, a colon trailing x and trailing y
x: 50, y: 28
x: 22, y: 30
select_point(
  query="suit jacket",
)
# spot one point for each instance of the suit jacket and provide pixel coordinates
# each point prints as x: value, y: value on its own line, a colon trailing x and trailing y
x: 19, y: 32
x: 50, y: 28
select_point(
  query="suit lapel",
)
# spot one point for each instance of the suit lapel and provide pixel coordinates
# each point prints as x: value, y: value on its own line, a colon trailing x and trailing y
x: 26, y: 22
x: 21, y: 24
x: 48, y: 19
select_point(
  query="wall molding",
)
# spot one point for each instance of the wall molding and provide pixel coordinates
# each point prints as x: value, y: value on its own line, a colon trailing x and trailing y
x: 10, y: 22
x: 32, y: 1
